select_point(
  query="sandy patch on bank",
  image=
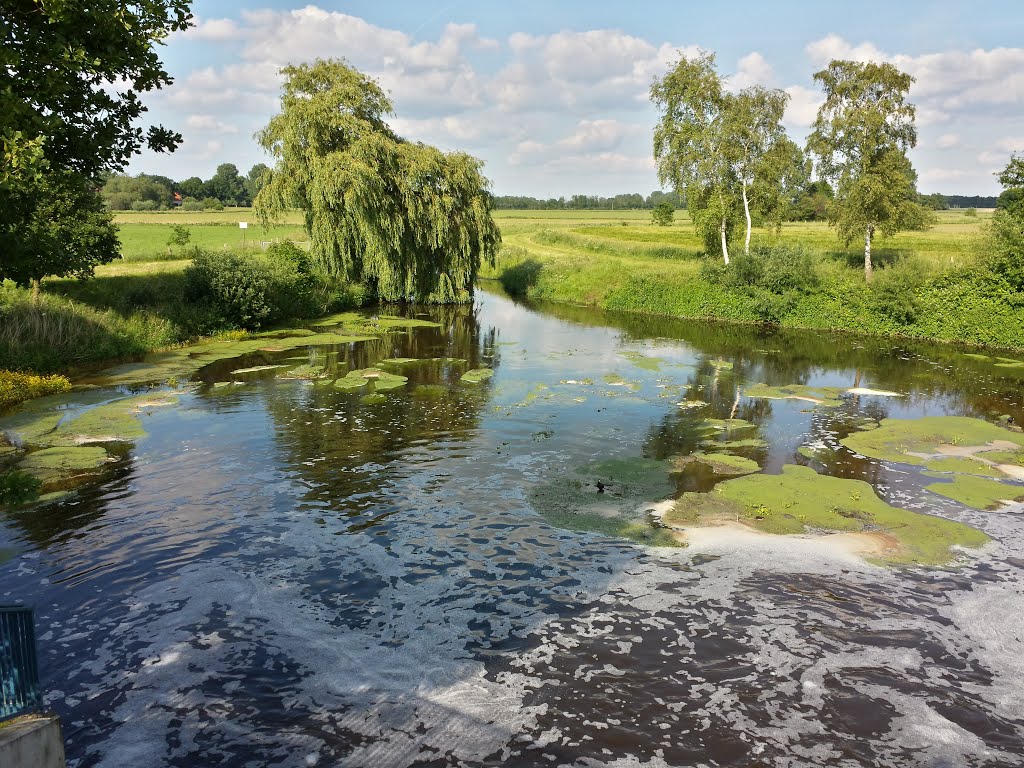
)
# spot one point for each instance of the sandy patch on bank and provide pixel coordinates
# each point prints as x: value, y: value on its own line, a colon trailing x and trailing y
x: 730, y: 537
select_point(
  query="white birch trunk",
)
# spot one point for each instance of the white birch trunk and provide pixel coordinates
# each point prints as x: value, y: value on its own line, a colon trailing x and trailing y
x: 746, y: 210
x: 867, y: 253
x: 725, y: 245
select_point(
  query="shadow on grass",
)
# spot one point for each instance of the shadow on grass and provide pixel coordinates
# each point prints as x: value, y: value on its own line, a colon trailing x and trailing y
x: 519, y: 279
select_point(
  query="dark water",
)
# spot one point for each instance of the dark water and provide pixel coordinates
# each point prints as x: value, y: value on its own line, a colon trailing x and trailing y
x: 282, y: 574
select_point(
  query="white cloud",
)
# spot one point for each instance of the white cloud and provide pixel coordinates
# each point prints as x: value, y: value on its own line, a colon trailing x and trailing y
x: 947, y: 141
x: 1011, y: 144
x: 209, y: 124
x: 947, y: 82
x: 215, y: 30
x: 752, y: 69
x: 802, y: 107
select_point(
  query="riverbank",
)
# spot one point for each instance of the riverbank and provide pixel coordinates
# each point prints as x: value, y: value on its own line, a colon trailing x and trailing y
x: 928, y: 285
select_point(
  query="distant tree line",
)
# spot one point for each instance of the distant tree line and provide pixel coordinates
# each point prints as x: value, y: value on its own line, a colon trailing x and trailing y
x: 150, y: 192
x: 806, y: 200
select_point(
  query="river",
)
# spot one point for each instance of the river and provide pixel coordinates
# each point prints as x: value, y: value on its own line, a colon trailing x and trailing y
x: 282, y: 572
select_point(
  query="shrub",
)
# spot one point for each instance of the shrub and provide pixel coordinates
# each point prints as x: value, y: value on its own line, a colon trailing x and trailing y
x: 17, y: 487
x: 191, y: 204
x: 212, y: 204
x: 249, y: 291
x: 1005, y: 258
x: 663, y: 214
x: 972, y: 212
x: 893, y: 292
x: 16, y: 387
x: 144, y: 205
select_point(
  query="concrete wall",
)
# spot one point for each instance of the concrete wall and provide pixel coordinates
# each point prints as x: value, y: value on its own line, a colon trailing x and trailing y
x: 33, y: 741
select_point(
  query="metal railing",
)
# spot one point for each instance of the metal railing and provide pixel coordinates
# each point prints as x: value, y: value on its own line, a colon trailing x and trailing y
x: 19, y: 670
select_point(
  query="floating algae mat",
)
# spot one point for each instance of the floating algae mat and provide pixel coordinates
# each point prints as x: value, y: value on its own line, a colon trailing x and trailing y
x: 641, y: 360
x: 978, y: 492
x: 477, y: 375
x: 918, y: 441
x: 824, y: 396
x: 381, y: 380
x: 64, y: 465
x: 800, y: 500
x: 610, y: 497
x: 720, y: 463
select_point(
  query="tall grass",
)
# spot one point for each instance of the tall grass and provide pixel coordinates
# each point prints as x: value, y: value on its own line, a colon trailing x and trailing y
x: 56, y: 333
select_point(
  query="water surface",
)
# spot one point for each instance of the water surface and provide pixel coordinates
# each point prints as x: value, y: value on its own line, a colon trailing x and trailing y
x: 281, y: 573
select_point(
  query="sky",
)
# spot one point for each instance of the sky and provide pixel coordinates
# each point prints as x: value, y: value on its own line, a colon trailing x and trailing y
x: 554, y: 96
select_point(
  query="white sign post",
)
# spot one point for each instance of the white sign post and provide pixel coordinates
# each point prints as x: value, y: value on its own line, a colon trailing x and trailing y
x: 243, y: 225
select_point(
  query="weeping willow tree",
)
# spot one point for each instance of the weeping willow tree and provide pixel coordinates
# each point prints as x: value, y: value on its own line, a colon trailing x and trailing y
x: 403, y: 217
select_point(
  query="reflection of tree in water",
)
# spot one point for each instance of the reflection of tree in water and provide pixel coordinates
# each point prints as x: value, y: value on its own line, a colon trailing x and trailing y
x: 345, y: 444
x: 925, y: 370
x: 683, y: 430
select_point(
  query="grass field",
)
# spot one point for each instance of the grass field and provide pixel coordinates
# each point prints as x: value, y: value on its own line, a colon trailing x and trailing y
x: 610, y: 259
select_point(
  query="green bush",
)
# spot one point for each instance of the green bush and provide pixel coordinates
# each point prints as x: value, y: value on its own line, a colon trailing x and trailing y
x: 191, y: 204
x: 249, y: 291
x: 212, y: 204
x: 893, y: 292
x: 1006, y: 255
x: 144, y: 205
x: 16, y: 386
x: 972, y: 212
x: 17, y: 487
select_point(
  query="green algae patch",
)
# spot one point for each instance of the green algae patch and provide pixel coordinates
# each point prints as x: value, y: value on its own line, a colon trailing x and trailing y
x: 29, y: 428
x: 963, y: 465
x: 720, y: 463
x: 702, y: 509
x: 117, y: 421
x: 612, y: 497
x: 402, y: 361
x: 827, y: 397
x: 307, y: 372
x: 185, y: 361
x: 978, y: 492
x: 800, y: 500
x: 639, y: 530
x: 918, y: 441
x: 641, y: 360
x: 393, y: 321
x: 64, y: 464
x: 381, y: 380
x: 374, y: 398
x: 477, y: 375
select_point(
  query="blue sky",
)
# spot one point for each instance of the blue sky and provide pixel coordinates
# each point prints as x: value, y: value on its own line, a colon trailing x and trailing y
x: 553, y: 96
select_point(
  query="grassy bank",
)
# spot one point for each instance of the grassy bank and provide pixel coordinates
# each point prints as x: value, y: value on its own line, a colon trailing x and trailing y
x: 147, y: 300
x: 927, y: 284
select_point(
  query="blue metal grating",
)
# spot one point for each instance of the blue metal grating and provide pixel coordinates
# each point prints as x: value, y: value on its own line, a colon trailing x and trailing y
x: 19, y: 670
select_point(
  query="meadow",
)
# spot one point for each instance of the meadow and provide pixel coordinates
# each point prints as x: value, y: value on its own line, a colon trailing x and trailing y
x: 926, y: 285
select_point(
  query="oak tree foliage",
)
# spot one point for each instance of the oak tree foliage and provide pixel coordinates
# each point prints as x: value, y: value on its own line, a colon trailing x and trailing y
x: 409, y: 220
x: 69, y: 106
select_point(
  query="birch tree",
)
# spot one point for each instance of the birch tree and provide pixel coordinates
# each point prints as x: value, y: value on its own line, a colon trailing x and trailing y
x: 728, y: 152
x: 760, y: 152
x: 406, y: 218
x: 861, y: 136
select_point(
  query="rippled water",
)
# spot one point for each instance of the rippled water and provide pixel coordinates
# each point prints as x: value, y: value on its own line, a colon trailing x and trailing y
x: 282, y: 574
